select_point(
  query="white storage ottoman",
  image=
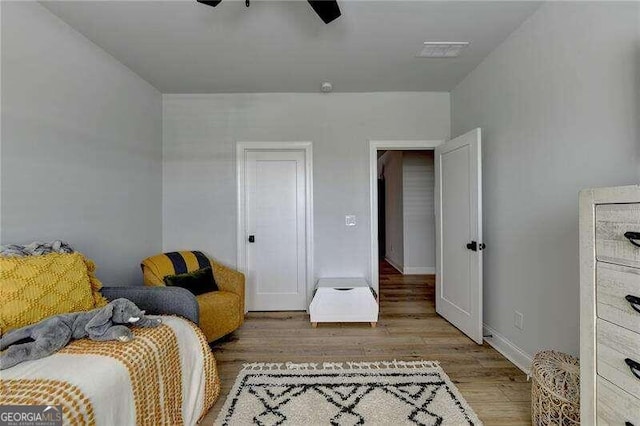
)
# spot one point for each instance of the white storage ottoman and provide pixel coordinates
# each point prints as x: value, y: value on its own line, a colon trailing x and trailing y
x: 343, y: 300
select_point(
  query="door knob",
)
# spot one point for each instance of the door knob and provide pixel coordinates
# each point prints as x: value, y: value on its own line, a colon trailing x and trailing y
x: 474, y: 246
x: 252, y: 238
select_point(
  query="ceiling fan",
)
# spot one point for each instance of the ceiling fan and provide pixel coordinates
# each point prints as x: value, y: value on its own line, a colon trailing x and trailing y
x: 327, y: 10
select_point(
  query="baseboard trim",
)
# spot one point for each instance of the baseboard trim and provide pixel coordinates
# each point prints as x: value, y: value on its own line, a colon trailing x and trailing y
x: 395, y: 265
x: 419, y: 270
x: 513, y: 353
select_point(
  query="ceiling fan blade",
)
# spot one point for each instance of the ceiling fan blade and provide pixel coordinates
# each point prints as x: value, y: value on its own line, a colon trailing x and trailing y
x: 210, y: 3
x: 327, y: 10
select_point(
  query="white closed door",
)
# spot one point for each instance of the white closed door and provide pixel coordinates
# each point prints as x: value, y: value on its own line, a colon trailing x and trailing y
x: 459, y: 233
x: 276, y: 240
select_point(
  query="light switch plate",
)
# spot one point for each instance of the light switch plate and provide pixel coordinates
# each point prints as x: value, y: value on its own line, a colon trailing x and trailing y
x: 350, y: 220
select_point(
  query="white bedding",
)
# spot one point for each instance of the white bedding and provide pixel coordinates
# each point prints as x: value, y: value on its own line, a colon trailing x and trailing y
x: 165, y: 376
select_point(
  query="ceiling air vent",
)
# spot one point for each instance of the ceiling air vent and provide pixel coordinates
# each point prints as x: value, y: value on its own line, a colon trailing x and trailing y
x: 441, y: 49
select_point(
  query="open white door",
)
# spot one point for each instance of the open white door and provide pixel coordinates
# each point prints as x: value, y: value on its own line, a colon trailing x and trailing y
x: 458, y: 199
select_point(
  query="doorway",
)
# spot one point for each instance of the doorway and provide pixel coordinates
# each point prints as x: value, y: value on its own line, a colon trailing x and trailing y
x: 458, y: 219
x: 376, y: 147
x: 274, y: 224
x: 406, y: 213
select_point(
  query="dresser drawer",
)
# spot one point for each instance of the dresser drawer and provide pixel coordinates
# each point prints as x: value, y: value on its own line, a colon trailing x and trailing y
x: 617, y: 289
x: 618, y: 349
x: 614, y: 406
x: 613, y: 221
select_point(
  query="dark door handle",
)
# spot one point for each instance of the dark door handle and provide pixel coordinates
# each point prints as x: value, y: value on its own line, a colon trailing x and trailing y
x: 632, y: 237
x: 628, y: 424
x: 634, y: 301
x: 634, y: 366
x: 252, y: 238
x: 474, y: 246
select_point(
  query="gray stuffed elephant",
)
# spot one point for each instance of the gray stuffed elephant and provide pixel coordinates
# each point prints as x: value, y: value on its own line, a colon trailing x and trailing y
x: 52, y: 334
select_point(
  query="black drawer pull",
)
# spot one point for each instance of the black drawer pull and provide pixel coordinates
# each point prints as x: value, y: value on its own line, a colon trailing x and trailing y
x: 632, y: 237
x: 633, y: 366
x: 634, y: 301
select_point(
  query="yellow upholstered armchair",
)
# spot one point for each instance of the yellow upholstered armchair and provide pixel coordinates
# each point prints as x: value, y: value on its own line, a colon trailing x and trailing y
x: 221, y: 312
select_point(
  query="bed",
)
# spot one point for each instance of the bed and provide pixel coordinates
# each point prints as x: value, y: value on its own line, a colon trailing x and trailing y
x: 165, y: 376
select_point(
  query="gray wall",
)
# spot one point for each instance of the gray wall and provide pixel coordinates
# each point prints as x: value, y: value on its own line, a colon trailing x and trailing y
x: 199, y: 182
x: 393, y: 208
x: 419, y: 221
x: 81, y: 155
x: 558, y: 103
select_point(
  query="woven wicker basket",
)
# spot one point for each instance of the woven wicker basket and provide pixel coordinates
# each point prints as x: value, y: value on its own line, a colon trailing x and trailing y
x: 555, y: 389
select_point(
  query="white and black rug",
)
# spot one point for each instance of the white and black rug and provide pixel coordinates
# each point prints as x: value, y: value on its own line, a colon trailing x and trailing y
x: 345, y: 394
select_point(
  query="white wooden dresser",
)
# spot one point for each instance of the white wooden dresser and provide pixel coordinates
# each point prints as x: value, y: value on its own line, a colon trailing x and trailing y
x: 610, y: 306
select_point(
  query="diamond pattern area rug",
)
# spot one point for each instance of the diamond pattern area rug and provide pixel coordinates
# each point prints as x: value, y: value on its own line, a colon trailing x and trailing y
x: 345, y: 394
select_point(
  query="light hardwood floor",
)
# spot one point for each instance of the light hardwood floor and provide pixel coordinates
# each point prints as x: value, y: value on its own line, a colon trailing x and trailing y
x: 409, y: 329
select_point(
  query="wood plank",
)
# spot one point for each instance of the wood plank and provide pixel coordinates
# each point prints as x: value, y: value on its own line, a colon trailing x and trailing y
x: 615, y: 345
x: 612, y: 222
x: 613, y: 284
x: 615, y: 406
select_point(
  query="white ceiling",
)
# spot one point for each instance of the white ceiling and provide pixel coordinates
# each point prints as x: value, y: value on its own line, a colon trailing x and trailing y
x: 187, y: 47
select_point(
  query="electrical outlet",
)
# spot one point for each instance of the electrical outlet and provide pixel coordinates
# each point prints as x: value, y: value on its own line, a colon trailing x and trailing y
x: 518, y: 320
x: 350, y: 220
